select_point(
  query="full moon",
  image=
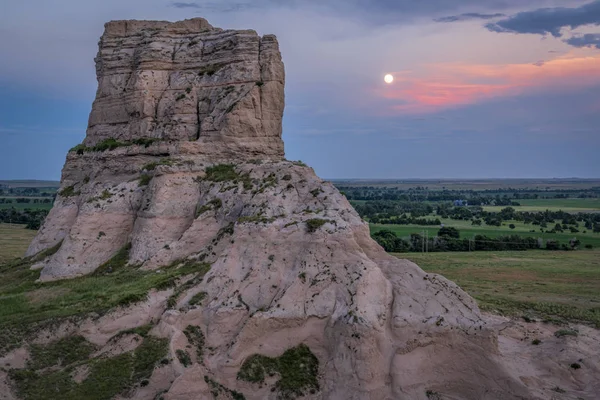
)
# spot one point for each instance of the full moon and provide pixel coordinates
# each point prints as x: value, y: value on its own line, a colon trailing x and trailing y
x: 388, y: 78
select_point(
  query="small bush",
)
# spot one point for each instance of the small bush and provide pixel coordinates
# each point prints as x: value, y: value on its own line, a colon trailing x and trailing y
x: 302, y: 276
x: 180, y: 97
x: 221, y: 173
x: 259, y: 83
x: 152, y: 166
x: 144, y: 180
x: 106, y: 194
x: 565, y: 332
x: 210, y: 70
x: 557, y: 389
x: 108, y: 144
x: 256, y: 219
x: 69, y: 191
x: 197, y: 298
x: 299, y: 163
x: 196, y: 338
x: 536, y: 342
x: 575, y: 365
x: 214, y: 204
x: 142, y: 330
x: 298, y: 369
x: 431, y: 395
x: 315, y: 223
x: 183, y: 357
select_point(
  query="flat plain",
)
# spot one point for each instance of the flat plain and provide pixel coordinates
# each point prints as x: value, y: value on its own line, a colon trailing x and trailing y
x: 552, y: 285
x: 14, y: 240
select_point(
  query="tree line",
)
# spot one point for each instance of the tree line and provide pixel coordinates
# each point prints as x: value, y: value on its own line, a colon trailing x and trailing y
x: 33, y: 219
x: 448, y: 239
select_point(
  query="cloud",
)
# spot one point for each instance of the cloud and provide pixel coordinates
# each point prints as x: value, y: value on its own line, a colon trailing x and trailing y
x: 215, y: 7
x: 376, y: 12
x: 587, y: 40
x: 468, y: 16
x: 549, y: 20
x: 185, y: 5
x: 441, y: 86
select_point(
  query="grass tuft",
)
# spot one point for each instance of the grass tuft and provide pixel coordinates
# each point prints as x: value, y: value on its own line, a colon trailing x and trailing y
x: 312, y: 225
x: 196, y: 338
x: 107, y: 377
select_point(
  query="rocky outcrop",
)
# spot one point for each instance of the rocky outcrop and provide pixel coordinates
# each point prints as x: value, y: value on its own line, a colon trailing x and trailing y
x: 222, y: 90
x: 183, y: 163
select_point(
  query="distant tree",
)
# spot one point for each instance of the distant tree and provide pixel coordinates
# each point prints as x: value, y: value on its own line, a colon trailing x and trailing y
x: 512, y: 226
x: 552, y: 245
x: 558, y: 228
x: 449, y: 231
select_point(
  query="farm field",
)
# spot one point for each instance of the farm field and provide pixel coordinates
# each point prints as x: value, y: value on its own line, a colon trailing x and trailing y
x: 14, y: 240
x: 468, y: 231
x: 23, y: 206
x: 472, y: 184
x: 535, y: 283
x: 567, y: 205
x: 53, y: 185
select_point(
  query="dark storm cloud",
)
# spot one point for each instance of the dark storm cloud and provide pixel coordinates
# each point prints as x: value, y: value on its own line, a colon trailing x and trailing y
x: 587, y: 40
x: 549, y: 20
x: 468, y: 16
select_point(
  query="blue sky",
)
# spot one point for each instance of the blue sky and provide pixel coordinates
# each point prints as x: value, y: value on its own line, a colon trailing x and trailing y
x: 482, y: 89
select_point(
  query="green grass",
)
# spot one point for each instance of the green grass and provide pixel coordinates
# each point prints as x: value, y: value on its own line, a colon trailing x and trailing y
x: 196, y: 338
x: 183, y: 357
x: 14, y: 240
x: 227, y: 173
x: 26, y: 306
x: 567, y: 205
x: 312, y: 225
x: 112, y: 144
x: 552, y: 285
x: 468, y: 231
x: 63, y: 352
x: 298, y: 370
x: 107, y: 376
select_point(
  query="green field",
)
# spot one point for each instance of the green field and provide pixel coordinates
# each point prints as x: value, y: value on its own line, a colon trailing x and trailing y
x: 468, y: 231
x: 14, y: 240
x: 473, y: 184
x: 23, y: 206
x: 567, y: 205
x: 543, y: 284
x: 31, y: 184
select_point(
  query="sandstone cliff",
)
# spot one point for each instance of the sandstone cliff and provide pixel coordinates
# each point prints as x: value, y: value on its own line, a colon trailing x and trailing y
x: 183, y: 164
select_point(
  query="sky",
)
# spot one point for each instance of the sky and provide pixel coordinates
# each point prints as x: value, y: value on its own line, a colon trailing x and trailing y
x: 482, y: 88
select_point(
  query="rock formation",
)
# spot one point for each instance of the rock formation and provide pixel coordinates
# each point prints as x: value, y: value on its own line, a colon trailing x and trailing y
x: 183, y: 163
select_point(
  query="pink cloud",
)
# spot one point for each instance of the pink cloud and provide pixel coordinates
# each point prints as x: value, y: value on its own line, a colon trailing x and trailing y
x: 440, y: 86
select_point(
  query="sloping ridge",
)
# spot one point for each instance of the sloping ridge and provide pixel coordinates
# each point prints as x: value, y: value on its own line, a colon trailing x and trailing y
x: 183, y: 162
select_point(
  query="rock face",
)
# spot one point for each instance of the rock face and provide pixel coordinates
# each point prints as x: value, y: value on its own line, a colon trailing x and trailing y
x: 183, y: 161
